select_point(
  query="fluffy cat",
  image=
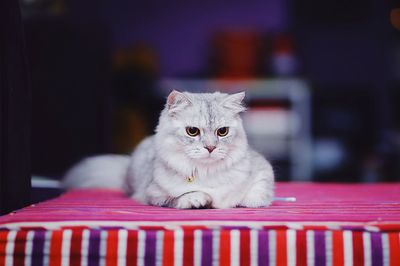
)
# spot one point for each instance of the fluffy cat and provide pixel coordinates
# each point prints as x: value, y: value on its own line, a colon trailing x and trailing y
x: 198, y: 158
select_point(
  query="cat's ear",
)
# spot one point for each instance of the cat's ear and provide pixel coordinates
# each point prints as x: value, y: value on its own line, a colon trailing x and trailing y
x: 234, y: 102
x: 176, y: 101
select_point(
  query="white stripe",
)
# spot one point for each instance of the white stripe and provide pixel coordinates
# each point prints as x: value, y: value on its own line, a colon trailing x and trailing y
x: 197, y: 247
x: 310, y: 248
x: 367, y: 248
x: 10, y: 247
x: 122, y: 245
x: 85, y: 247
x: 65, y: 247
x: 141, y: 247
x: 253, y: 247
x: 235, y: 247
x: 348, y: 247
x: 46, y: 249
x: 216, y: 234
x: 385, y: 249
x: 178, y: 247
x: 103, y: 247
x: 28, y: 248
x: 329, y: 248
x: 291, y: 247
x: 272, y: 247
x: 159, y: 247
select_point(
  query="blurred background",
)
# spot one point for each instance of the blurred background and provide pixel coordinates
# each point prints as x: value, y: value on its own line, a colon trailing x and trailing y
x: 322, y: 79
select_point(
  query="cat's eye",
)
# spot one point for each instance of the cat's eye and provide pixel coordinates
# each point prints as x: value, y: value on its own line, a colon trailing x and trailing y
x: 192, y: 131
x: 222, y: 131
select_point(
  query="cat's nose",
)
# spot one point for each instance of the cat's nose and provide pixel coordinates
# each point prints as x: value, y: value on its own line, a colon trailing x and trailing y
x: 210, y: 148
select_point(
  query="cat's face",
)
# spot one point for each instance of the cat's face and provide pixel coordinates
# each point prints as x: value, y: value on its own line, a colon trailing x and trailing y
x: 205, y: 127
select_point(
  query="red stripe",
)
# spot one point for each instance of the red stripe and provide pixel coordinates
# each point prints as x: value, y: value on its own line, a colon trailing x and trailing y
x: 301, y: 245
x: 275, y: 227
x: 281, y: 250
x: 314, y: 227
x: 19, y: 248
x: 394, y: 248
x: 188, y: 247
x: 225, y: 247
x: 3, y: 243
x: 245, y: 247
x: 168, y: 248
x: 131, y: 248
x: 76, y: 247
x: 388, y: 227
x: 112, y: 248
x: 338, y: 252
x: 55, y: 248
x: 358, y: 249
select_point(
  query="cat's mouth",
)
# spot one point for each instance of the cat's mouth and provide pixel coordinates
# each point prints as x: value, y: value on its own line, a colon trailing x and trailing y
x: 209, y: 159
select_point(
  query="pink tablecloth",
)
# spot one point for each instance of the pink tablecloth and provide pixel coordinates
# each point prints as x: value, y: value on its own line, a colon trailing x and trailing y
x: 315, y: 203
x: 329, y: 224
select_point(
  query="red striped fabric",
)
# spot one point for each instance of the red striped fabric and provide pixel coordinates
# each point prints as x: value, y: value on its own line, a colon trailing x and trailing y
x: 112, y: 248
x: 338, y: 248
x: 301, y: 246
x: 394, y: 243
x: 244, y: 247
x: 55, y: 248
x: 358, y: 249
x: 299, y: 254
x: 281, y: 250
x: 168, y: 248
x: 321, y: 227
x: 132, y: 248
x: 225, y: 247
x: 188, y: 246
x: 19, y: 248
x: 3, y: 243
x: 76, y: 246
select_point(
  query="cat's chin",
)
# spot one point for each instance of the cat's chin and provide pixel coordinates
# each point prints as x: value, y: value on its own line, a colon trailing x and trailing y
x: 208, y: 161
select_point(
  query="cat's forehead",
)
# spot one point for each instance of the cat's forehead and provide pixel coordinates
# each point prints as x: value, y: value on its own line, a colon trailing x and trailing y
x: 206, y: 113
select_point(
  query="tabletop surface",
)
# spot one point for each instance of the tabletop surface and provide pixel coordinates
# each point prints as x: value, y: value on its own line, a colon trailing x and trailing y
x: 316, y: 202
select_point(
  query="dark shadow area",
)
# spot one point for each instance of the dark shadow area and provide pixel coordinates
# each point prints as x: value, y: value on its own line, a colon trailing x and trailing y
x: 101, y: 71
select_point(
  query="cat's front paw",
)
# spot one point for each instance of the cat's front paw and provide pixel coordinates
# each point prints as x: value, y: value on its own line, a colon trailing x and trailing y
x: 257, y: 198
x: 256, y: 201
x: 193, y: 200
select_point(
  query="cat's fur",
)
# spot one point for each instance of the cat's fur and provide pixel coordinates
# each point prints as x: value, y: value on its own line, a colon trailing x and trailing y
x: 159, y: 169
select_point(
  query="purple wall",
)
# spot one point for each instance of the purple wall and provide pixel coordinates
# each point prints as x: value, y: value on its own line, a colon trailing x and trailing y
x: 181, y: 32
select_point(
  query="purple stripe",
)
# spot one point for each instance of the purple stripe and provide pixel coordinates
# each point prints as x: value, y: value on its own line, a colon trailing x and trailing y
x: 319, y: 247
x: 94, y: 248
x: 150, y: 248
x: 206, y: 247
x: 37, y: 249
x: 235, y: 227
x: 353, y: 228
x: 263, y: 249
x: 376, y: 249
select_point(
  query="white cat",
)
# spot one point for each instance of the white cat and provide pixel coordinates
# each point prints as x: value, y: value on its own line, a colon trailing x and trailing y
x: 199, y: 157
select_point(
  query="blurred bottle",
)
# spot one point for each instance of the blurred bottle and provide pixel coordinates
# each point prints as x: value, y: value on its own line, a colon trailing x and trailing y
x: 237, y: 55
x: 283, y: 58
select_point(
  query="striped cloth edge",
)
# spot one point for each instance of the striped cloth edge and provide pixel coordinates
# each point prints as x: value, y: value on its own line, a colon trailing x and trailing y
x: 354, y: 226
x: 198, y: 246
